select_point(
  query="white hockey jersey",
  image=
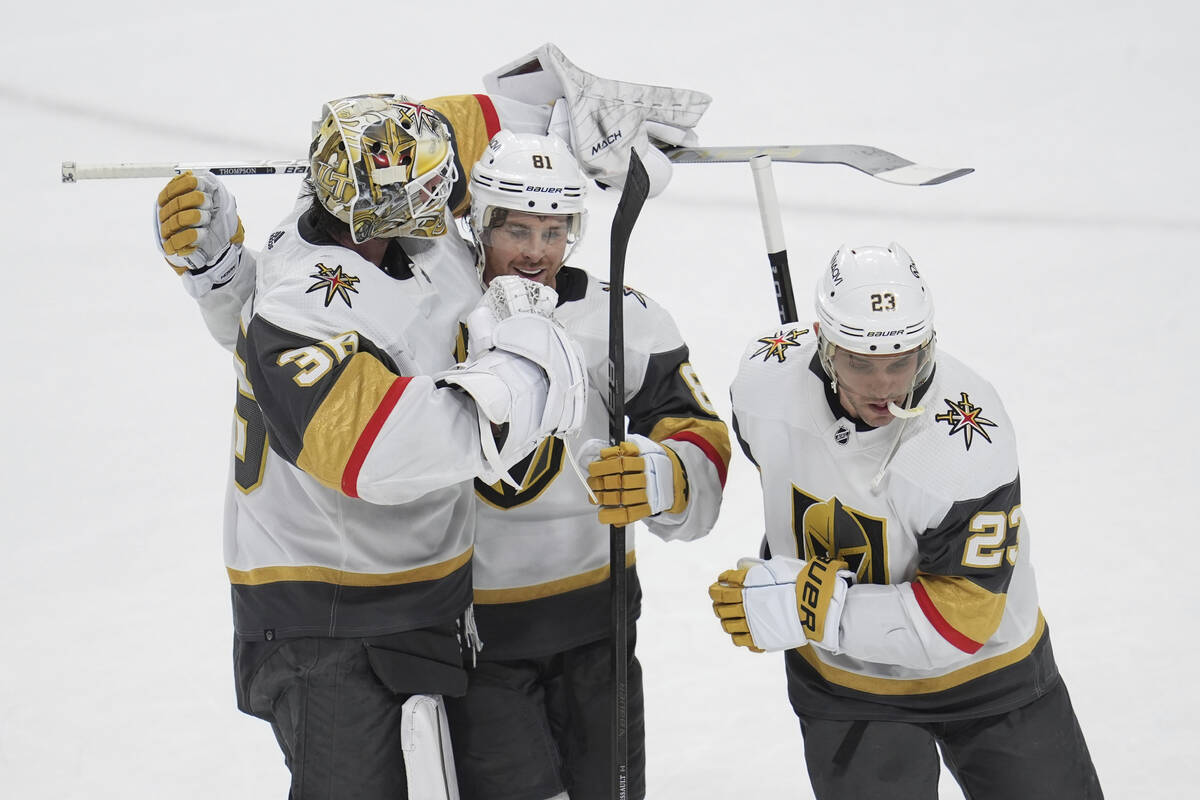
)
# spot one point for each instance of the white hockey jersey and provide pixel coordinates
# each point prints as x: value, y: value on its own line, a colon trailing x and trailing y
x: 350, y: 511
x: 541, y: 556
x: 943, y: 621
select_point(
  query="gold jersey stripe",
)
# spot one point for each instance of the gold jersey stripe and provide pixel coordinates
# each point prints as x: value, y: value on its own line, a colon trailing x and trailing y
x: 965, y: 605
x: 339, y: 577
x: 909, y: 686
x: 333, y: 431
x: 474, y: 121
x: 550, y: 588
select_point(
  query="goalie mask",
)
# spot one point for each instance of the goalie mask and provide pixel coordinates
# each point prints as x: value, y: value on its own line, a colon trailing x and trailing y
x: 528, y: 173
x: 872, y: 304
x: 383, y: 165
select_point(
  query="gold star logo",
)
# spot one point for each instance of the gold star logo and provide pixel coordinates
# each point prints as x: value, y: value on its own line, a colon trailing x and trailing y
x: 335, y: 283
x: 778, y: 344
x: 964, y: 416
x: 626, y: 292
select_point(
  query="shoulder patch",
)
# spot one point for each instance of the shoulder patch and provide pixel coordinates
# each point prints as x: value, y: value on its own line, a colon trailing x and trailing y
x: 634, y: 293
x: 966, y: 418
x: 273, y: 238
x: 335, y: 283
x: 776, y: 346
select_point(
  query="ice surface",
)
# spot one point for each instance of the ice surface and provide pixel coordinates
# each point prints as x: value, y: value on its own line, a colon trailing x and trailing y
x: 1064, y: 270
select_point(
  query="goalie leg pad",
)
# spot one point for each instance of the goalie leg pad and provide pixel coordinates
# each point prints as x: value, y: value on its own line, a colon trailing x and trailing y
x: 428, y: 758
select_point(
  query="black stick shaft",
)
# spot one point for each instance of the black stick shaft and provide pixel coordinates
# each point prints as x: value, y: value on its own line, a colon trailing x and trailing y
x: 633, y: 196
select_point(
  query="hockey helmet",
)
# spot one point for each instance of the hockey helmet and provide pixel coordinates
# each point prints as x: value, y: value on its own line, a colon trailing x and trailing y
x: 872, y: 301
x: 384, y: 165
x: 531, y: 173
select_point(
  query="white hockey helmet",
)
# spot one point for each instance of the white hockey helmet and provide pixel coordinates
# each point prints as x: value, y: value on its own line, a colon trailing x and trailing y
x: 532, y: 173
x: 872, y: 301
x: 384, y: 165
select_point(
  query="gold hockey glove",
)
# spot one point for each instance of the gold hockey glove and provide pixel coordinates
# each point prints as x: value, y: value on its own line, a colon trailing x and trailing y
x: 198, y: 225
x: 635, y: 479
x: 782, y: 603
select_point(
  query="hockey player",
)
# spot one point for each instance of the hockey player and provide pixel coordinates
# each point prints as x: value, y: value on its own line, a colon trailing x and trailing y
x: 202, y: 237
x: 536, y: 720
x: 349, y: 527
x: 896, y: 571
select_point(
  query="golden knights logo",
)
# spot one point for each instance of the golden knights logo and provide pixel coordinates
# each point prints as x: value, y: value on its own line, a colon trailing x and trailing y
x: 534, y: 473
x: 335, y: 283
x: 831, y: 528
x: 778, y: 344
x: 634, y: 293
x: 965, y: 417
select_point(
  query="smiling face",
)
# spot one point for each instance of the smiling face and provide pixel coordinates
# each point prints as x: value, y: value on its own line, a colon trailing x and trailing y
x: 866, y: 384
x: 531, y: 246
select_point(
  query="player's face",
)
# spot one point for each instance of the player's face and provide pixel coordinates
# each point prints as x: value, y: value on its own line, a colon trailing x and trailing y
x: 527, y: 245
x: 866, y: 384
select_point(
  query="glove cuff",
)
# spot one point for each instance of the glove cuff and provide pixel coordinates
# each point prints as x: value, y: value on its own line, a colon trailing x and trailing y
x: 815, y: 588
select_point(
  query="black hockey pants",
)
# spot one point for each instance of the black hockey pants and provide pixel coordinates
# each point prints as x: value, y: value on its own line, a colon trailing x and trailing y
x: 1036, y: 751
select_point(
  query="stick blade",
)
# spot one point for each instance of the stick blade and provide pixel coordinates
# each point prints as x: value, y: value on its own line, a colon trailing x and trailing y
x: 873, y: 161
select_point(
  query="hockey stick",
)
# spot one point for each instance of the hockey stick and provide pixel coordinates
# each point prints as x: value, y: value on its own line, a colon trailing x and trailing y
x: 871, y: 160
x: 633, y: 196
x: 768, y: 210
x: 72, y: 172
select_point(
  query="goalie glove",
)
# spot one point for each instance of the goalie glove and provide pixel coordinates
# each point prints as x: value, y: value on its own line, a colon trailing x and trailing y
x: 525, y: 374
x: 782, y: 603
x: 199, y: 231
x: 635, y: 479
x: 603, y: 119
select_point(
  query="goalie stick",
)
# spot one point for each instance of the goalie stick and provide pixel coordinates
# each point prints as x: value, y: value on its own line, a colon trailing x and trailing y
x: 629, y: 206
x: 871, y: 160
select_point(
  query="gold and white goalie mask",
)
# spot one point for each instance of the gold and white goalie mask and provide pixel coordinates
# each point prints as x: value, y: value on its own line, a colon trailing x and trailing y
x: 384, y: 165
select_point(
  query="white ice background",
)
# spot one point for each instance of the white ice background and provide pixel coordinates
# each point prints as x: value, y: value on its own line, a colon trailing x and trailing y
x: 1065, y: 269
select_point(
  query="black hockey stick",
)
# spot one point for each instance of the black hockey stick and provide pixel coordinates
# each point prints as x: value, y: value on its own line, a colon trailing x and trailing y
x: 633, y: 196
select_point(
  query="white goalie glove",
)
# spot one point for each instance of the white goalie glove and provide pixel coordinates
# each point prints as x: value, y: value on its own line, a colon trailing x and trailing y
x: 782, y: 603
x: 602, y: 118
x: 524, y: 371
x: 198, y: 228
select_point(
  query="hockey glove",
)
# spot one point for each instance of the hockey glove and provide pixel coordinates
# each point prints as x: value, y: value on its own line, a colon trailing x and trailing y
x: 635, y: 479
x: 782, y: 603
x: 603, y: 118
x: 199, y: 230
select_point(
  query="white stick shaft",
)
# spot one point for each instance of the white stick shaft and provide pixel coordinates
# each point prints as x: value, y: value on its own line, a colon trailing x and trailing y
x: 772, y: 225
x: 768, y: 202
x: 72, y: 172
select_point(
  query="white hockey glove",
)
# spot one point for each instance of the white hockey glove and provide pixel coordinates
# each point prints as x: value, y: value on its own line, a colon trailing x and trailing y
x: 603, y: 118
x: 199, y: 230
x: 782, y: 603
x: 524, y: 371
x: 635, y: 479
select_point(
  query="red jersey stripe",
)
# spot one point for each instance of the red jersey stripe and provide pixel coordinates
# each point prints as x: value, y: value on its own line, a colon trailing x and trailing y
x: 709, y: 450
x: 948, y: 632
x: 490, y: 118
x: 367, y: 437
